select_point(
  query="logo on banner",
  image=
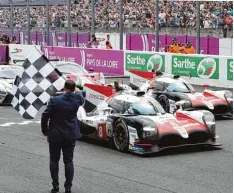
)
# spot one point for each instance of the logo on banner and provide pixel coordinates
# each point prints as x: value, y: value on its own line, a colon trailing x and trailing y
x: 155, y: 62
x: 83, y: 59
x: 16, y: 50
x: 206, y: 68
x: 230, y: 69
x: 60, y: 38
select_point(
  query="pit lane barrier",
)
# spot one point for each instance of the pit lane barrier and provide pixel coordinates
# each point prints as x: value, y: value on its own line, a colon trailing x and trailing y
x: 212, y: 70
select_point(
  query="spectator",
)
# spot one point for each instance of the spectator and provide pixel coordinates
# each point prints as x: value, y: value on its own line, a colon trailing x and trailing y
x: 174, y: 47
x: 93, y: 43
x: 189, y: 48
x: 108, y: 44
x: 182, y: 48
x: 13, y: 40
x: 5, y: 39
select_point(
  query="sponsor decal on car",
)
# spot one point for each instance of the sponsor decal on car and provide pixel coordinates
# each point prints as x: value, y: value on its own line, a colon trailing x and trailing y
x: 198, y: 98
x: 191, y: 125
x: 180, y: 129
x: 96, y: 96
x: 136, y: 148
x: 132, y: 135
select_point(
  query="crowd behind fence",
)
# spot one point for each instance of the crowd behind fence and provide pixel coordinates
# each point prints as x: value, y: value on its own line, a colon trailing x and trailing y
x: 137, y: 14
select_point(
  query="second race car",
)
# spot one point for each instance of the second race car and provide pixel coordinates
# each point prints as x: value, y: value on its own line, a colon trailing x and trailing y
x: 78, y: 74
x: 134, y: 121
x: 7, y: 78
x: 168, y: 89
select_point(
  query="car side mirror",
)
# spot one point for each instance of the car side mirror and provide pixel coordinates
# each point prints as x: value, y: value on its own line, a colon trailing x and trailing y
x: 107, y: 110
x: 182, y: 104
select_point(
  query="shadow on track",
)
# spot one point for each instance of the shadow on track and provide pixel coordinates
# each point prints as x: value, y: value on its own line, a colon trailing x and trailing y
x: 165, y: 152
x: 223, y: 118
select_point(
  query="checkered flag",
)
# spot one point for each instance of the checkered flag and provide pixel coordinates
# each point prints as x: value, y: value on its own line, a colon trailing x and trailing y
x: 35, y: 83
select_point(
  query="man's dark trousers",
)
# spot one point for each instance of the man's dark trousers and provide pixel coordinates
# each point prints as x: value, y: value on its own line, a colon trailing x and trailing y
x: 67, y: 148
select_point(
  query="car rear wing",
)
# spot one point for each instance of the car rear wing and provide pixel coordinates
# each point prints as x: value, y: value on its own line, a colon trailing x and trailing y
x: 95, y: 95
x: 97, y: 76
x: 139, y: 78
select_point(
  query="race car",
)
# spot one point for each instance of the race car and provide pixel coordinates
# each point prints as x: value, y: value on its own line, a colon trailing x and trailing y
x: 168, y: 89
x: 7, y: 78
x: 78, y: 74
x: 75, y: 72
x: 134, y: 121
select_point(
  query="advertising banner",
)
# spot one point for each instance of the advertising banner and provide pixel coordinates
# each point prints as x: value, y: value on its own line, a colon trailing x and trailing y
x: 20, y: 52
x: 109, y: 62
x: 144, y: 61
x: 229, y: 69
x: 201, y: 67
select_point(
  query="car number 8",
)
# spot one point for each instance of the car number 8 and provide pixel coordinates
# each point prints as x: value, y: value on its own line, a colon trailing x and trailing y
x: 100, y: 133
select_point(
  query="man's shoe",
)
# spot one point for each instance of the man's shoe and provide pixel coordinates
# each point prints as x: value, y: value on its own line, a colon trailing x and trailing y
x: 55, y: 189
x: 67, y: 190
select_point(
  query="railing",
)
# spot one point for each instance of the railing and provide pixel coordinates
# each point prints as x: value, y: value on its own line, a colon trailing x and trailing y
x: 163, y: 30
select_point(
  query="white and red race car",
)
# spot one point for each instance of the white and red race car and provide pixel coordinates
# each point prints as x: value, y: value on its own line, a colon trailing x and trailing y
x: 168, y: 89
x: 134, y: 121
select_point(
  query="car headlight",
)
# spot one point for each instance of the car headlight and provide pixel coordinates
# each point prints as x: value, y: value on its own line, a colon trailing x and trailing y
x: 209, y: 120
x: 184, y: 104
x: 149, y: 133
x: 229, y: 97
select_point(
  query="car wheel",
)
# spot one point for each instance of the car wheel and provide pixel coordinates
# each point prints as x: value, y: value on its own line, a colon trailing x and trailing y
x: 120, y: 136
x: 163, y: 100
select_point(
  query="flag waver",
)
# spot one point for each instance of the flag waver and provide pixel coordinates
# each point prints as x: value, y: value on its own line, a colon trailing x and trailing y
x: 35, y: 83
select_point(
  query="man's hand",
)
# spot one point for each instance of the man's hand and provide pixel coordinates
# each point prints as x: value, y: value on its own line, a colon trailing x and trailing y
x: 45, y: 132
x: 77, y: 89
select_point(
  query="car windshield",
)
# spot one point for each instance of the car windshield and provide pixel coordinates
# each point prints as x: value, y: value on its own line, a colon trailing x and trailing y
x: 71, y: 69
x: 142, y: 108
x: 180, y: 87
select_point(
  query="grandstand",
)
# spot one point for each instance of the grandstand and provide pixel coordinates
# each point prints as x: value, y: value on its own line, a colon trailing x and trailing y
x: 138, y: 15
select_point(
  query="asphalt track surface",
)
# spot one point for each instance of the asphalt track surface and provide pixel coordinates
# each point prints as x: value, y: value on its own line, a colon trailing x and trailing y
x: 24, y: 164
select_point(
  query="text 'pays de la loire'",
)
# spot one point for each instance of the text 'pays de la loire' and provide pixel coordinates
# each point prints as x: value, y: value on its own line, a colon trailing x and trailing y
x: 102, y: 63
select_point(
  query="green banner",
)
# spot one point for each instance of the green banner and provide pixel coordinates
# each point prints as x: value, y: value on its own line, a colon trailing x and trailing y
x: 201, y: 67
x: 229, y: 69
x: 144, y: 61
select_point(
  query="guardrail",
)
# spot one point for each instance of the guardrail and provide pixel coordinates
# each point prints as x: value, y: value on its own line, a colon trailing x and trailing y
x: 196, y: 69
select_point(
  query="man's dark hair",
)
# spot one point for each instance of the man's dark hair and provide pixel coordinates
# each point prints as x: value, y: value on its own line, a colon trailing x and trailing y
x: 70, y: 85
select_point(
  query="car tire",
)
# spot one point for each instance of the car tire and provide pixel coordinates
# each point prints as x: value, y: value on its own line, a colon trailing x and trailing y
x: 120, y: 138
x: 164, y: 102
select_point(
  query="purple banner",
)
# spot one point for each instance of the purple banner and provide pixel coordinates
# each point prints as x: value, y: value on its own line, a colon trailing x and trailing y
x: 33, y: 38
x: 41, y: 38
x: 56, y: 38
x: 74, y: 39
x: 3, y: 53
x: 209, y: 45
x: 110, y: 62
x: 83, y: 39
